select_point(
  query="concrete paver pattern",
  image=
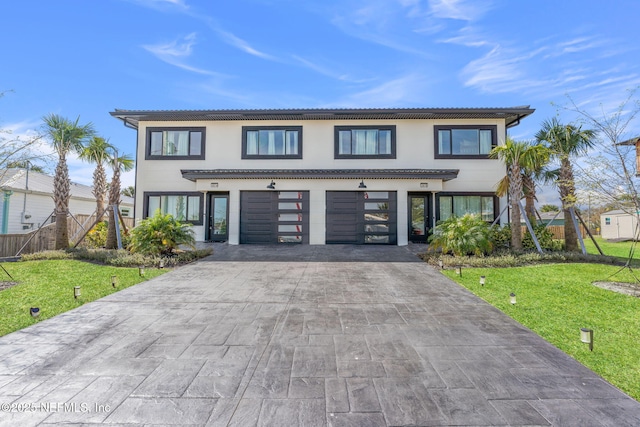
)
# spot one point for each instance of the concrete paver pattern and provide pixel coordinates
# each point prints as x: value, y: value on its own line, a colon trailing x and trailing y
x: 310, y: 337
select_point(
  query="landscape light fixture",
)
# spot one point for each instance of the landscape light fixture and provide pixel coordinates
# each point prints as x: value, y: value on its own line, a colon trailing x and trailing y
x: 76, y: 292
x: 441, y: 264
x: 586, y: 336
x: 141, y: 271
x: 161, y: 263
x: 114, y: 281
x: 272, y: 186
x: 512, y: 298
x: 34, y: 311
x: 362, y: 184
x: 459, y: 270
x: 482, y: 280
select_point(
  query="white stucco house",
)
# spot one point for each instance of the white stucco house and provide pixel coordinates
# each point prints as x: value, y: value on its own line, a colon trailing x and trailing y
x: 27, y: 200
x: 618, y: 224
x: 319, y: 176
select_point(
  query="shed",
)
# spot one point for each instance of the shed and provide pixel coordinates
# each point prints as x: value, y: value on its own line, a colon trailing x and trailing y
x: 618, y: 224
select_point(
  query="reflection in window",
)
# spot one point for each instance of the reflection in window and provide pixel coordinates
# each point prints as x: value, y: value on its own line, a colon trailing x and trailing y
x: 181, y: 207
x: 167, y: 143
x: 465, y: 141
x: 461, y: 205
x: 274, y: 141
x: 290, y: 206
x: 367, y: 141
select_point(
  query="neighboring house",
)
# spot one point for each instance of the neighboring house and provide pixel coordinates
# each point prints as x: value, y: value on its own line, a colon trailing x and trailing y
x: 27, y: 200
x: 635, y: 142
x: 317, y: 176
x: 550, y: 217
x: 618, y: 224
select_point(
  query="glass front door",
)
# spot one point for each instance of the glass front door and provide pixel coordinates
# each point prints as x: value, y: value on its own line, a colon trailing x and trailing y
x: 419, y: 217
x: 218, y: 217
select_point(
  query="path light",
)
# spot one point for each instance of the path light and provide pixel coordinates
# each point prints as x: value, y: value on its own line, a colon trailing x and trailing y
x: 512, y: 298
x: 586, y: 336
x: 114, y: 281
x: 441, y: 264
x: 141, y: 271
x: 161, y: 263
x: 76, y: 291
x: 459, y: 270
x: 482, y: 279
x: 34, y: 311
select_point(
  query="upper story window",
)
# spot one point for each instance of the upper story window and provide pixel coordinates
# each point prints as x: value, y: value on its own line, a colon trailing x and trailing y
x: 272, y: 142
x: 175, y: 143
x: 365, y: 142
x: 185, y: 207
x: 464, y: 141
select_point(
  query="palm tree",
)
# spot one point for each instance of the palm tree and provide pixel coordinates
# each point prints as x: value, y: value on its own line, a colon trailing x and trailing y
x: 98, y: 152
x: 66, y: 137
x: 564, y: 143
x: 520, y: 157
x: 118, y: 164
x: 129, y: 191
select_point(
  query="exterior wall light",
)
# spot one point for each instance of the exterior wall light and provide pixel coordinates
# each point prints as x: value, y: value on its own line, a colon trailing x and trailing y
x: 362, y: 184
x: 76, y: 292
x: 272, y: 186
x: 482, y: 280
x: 512, y: 298
x: 114, y: 281
x: 586, y: 336
x: 34, y: 312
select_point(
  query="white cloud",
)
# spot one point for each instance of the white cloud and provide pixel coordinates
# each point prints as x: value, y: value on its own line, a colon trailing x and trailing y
x: 176, y: 52
x: 465, y: 10
x: 244, y: 46
x: 399, y: 91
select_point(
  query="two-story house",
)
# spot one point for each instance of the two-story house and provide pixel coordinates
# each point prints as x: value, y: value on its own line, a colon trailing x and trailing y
x: 319, y: 176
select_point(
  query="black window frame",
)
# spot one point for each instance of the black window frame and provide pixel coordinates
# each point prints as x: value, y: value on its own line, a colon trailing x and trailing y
x: 200, y: 195
x: 203, y: 144
x: 438, y: 128
x: 336, y: 138
x: 246, y: 129
x: 496, y: 202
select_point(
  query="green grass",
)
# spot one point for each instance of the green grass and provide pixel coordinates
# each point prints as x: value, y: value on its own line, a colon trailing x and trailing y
x: 619, y: 250
x: 556, y: 300
x: 49, y: 286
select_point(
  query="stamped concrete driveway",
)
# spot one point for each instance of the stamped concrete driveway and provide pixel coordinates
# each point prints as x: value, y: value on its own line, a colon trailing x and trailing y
x: 313, y: 336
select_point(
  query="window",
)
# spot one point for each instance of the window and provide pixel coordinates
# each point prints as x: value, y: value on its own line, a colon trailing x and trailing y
x: 272, y: 142
x: 365, y: 142
x: 186, y: 207
x: 607, y: 221
x: 464, y: 141
x: 459, y: 205
x: 175, y: 143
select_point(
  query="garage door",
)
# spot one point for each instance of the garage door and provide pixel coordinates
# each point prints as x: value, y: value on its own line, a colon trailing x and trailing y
x: 361, y: 217
x: 268, y: 217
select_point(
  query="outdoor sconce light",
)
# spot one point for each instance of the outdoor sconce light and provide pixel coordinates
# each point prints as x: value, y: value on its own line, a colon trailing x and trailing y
x: 114, y: 281
x: 482, y: 280
x: 161, y: 263
x: 272, y: 186
x: 441, y: 264
x: 586, y: 336
x: 362, y: 184
x: 459, y: 270
x: 76, y: 292
x: 512, y: 298
x: 34, y: 312
x: 141, y: 271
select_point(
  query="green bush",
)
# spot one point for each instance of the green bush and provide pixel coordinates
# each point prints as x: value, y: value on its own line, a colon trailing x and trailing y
x: 465, y: 235
x: 97, y: 236
x: 161, y: 234
x: 501, y: 238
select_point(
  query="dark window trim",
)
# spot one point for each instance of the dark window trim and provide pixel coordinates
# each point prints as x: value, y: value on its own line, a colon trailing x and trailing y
x: 267, y: 156
x: 203, y: 143
x: 496, y: 201
x: 336, y: 143
x: 147, y: 194
x: 436, y: 128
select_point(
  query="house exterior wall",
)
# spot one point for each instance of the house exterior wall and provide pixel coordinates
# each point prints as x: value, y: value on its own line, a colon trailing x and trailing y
x: 415, y: 148
x: 620, y: 226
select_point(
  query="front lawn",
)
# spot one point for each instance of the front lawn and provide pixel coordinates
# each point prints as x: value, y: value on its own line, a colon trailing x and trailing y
x: 49, y: 285
x: 620, y: 249
x: 556, y: 300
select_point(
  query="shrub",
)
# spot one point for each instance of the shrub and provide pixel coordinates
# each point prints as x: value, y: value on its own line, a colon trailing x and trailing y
x: 500, y: 237
x: 97, y: 237
x: 161, y: 234
x: 464, y: 235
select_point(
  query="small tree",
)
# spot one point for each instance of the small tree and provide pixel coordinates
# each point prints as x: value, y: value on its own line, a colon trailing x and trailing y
x: 549, y: 208
x: 98, y: 151
x: 161, y: 234
x: 464, y: 235
x: 118, y: 164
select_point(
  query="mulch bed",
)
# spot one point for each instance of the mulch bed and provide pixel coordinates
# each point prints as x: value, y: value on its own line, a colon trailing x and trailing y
x: 632, y: 289
x: 7, y: 285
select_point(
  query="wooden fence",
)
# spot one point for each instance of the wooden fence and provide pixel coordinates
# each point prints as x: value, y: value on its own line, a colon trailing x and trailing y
x: 558, y: 231
x: 45, y: 238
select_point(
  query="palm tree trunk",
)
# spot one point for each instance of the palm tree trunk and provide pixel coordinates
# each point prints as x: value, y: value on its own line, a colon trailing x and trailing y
x: 567, y: 196
x: 530, y: 196
x: 515, y: 190
x: 99, y: 187
x: 61, y: 196
x: 114, y: 200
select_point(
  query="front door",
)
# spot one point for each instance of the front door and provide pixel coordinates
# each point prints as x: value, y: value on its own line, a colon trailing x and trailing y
x: 218, y: 230
x: 419, y: 217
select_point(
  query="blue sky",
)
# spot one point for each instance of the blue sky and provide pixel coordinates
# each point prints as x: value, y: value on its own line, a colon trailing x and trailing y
x: 86, y: 58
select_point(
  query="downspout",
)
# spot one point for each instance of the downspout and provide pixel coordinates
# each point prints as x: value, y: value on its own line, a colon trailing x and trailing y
x: 5, y: 211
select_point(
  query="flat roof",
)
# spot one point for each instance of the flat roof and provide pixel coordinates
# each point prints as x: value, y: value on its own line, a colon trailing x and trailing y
x: 511, y: 115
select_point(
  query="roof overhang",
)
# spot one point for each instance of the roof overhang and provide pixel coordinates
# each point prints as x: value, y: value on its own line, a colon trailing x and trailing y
x: 442, y: 174
x: 511, y: 115
x: 632, y: 141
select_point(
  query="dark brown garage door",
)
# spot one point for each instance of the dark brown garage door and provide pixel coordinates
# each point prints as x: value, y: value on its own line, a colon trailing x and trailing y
x: 268, y: 217
x: 361, y: 217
